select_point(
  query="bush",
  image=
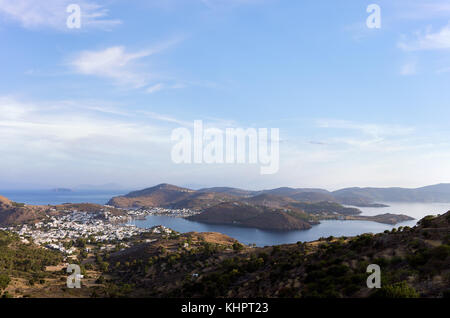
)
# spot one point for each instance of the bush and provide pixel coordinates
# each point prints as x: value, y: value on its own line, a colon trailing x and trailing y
x: 426, y: 221
x: 4, y: 281
x: 397, y: 290
x: 237, y: 246
x: 440, y: 252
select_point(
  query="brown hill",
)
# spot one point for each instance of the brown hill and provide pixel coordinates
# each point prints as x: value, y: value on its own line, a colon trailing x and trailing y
x: 12, y: 213
x: 4, y: 201
x: 160, y: 195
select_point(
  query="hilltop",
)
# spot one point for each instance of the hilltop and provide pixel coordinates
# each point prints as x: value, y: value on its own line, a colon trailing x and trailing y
x: 160, y: 195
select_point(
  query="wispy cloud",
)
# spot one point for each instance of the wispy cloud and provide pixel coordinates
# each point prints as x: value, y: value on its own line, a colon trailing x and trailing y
x: 155, y: 88
x: 119, y: 65
x: 375, y: 130
x: 428, y: 40
x: 32, y: 14
x: 114, y: 63
x: 46, y: 134
x: 367, y: 137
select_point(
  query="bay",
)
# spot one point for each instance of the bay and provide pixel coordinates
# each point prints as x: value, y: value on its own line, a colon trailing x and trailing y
x: 324, y: 229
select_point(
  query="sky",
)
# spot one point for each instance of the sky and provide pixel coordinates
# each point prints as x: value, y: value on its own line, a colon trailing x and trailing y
x: 355, y: 106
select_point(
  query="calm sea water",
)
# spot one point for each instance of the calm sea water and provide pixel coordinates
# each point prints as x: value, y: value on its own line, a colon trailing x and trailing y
x: 415, y: 210
x: 44, y: 197
x: 324, y: 229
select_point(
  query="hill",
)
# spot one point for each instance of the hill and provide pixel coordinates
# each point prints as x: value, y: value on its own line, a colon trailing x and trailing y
x: 241, y: 214
x: 269, y: 200
x: 415, y: 262
x: 166, y: 195
x: 13, y: 213
x: 386, y: 218
x: 160, y: 195
x: 202, y: 200
x: 434, y: 193
x: 325, y: 208
x: 231, y: 191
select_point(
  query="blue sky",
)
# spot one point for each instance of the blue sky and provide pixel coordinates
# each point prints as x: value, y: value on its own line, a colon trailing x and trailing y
x: 355, y: 106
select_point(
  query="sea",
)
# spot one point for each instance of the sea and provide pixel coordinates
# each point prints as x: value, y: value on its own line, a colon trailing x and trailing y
x: 45, y: 197
x: 242, y: 234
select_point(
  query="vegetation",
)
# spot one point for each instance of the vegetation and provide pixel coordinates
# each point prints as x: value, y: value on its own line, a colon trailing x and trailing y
x: 330, y: 267
x: 415, y: 262
x: 23, y: 261
x: 397, y: 290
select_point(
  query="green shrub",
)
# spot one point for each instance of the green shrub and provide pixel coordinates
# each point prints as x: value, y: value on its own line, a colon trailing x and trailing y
x: 237, y: 246
x: 4, y: 281
x: 427, y: 221
x: 397, y: 290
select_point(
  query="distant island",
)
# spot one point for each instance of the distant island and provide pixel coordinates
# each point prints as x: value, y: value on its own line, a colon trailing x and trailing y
x: 62, y: 190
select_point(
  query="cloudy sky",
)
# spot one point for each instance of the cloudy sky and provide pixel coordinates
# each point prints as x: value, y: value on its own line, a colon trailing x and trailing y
x: 355, y: 106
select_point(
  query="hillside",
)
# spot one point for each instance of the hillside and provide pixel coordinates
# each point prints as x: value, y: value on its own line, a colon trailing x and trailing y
x: 165, y: 195
x: 435, y: 193
x: 12, y: 213
x: 325, y: 208
x: 241, y: 214
x: 313, y: 197
x: 230, y: 191
x: 269, y: 200
x: 160, y: 195
x: 202, y: 200
x: 415, y: 262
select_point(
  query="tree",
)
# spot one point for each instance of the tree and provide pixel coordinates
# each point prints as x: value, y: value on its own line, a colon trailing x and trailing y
x: 237, y: 246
